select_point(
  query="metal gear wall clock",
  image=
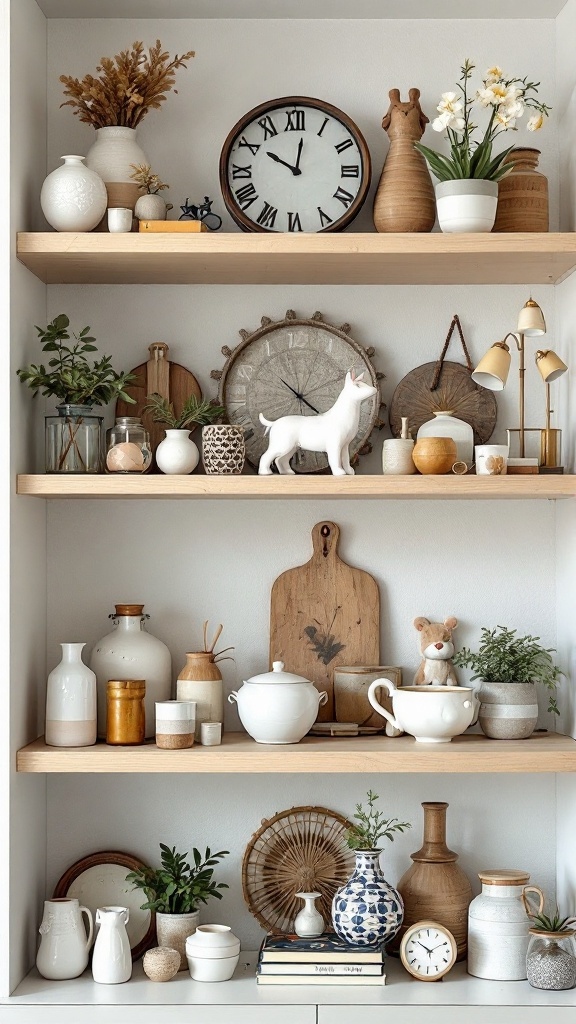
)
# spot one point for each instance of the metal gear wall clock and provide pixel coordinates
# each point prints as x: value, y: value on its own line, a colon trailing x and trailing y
x: 294, y: 366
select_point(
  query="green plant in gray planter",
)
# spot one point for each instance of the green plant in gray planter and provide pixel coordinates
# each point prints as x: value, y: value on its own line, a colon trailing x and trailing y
x: 175, y: 891
x: 509, y: 666
x: 74, y: 437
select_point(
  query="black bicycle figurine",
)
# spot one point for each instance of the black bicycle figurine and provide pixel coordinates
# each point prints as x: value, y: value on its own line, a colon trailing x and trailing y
x: 201, y: 212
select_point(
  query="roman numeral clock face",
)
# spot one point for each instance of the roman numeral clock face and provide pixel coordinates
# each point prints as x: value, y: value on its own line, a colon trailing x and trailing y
x: 294, y: 164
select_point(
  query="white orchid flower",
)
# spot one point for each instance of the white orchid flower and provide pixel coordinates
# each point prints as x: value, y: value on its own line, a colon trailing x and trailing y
x: 450, y: 103
x: 494, y: 74
x: 505, y: 120
x: 448, y: 120
x: 534, y: 124
x: 513, y: 109
x: 485, y: 97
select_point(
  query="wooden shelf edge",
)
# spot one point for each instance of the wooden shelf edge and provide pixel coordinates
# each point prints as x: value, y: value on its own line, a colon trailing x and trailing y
x: 360, y: 486
x: 543, y: 752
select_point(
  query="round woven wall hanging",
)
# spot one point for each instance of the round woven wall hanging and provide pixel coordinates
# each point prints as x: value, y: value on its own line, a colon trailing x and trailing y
x: 300, y: 850
x: 443, y: 386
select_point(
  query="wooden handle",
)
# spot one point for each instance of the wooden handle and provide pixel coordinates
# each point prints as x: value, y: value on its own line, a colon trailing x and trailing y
x: 325, y: 538
x: 527, y: 907
x: 158, y: 370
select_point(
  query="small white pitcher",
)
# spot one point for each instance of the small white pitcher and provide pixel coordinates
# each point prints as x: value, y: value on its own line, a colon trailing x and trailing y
x: 64, y: 948
x: 112, y: 959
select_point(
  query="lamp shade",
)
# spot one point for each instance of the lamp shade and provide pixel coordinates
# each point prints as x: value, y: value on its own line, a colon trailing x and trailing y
x: 531, y: 320
x: 550, y: 365
x: 492, y: 370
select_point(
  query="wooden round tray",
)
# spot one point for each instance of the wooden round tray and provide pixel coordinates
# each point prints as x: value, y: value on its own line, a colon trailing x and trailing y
x: 456, y: 393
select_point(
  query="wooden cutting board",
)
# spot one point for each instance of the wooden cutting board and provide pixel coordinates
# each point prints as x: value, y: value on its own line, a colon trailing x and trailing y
x: 168, y: 379
x: 324, y: 614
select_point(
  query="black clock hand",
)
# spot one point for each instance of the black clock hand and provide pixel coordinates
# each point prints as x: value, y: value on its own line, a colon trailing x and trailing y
x: 429, y: 951
x: 295, y: 170
x: 299, y: 396
x: 300, y: 144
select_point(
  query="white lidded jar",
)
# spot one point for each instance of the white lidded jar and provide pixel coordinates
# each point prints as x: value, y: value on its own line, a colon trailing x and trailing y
x: 445, y: 424
x: 129, y: 652
x: 278, y: 706
x: 498, y: 926
x: 71, y: 701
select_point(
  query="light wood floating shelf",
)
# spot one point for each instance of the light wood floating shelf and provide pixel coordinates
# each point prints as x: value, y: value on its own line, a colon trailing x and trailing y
x: 103, y: 258
x: 122, y: 485
x: 543, y: 752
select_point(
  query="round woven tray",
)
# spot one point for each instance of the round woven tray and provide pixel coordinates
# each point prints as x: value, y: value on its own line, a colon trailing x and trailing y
x: 456, y: 393
x: 300, y: 850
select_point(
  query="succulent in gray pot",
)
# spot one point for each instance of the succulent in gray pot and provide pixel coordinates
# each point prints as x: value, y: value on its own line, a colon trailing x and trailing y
x: 509, y: 667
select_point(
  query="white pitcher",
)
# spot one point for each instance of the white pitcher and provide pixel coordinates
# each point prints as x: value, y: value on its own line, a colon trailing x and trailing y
x: 64, y: 948
x: 112, y: 959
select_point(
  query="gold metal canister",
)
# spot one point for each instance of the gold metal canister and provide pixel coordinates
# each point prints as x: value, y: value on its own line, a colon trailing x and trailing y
x: 125, y: 714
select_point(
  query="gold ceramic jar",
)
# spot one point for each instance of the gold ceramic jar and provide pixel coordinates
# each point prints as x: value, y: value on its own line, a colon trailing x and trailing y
x: 125, y: 714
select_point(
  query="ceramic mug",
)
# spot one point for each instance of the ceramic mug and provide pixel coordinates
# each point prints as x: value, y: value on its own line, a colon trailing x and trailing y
x: 119, y: 219
x: 491, y: 459
x: 432, y: 714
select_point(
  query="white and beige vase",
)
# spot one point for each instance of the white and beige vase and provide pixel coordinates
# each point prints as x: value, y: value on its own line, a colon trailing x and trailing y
x: 112, y: 156
x: 508, y: 711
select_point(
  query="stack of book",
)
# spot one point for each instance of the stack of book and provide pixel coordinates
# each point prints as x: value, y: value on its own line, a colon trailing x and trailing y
x: 289, y: 960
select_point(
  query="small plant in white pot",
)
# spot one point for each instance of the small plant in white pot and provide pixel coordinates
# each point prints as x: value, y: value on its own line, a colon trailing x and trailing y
x: 467, y: 189
x: 178, y: 453
x: 150, y: 205
x: 175, y: 892
x: 509, y: 667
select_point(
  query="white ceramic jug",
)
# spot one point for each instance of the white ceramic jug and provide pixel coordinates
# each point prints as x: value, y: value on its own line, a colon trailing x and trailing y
x: 112, y: 959
x: 64, y: 948
x: 498, y: 926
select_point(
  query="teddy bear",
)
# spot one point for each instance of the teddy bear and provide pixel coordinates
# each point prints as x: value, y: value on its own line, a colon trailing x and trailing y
x: 436, y: 647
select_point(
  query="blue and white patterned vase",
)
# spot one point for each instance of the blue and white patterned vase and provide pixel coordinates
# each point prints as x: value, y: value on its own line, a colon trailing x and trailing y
x: 367, y: 911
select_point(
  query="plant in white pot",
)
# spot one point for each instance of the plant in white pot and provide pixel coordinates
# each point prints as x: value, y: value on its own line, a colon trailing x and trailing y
x: 175, y: 891
x: 509, y: 667
x: 467, y: 189
x: 150, y: 205
x: 178, y: 453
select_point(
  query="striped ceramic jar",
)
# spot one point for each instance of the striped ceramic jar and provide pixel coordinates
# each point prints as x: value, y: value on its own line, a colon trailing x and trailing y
x: 508, y: 711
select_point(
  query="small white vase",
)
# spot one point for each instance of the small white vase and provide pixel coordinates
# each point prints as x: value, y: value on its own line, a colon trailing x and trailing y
x: 172, y: 930
x: 112, y: 958
x: 73, y: 197
x: 444, y: 424
x: 114, y: 150
x: 466, y: 204
x: 150, y: 207
x: 64, y: 947
x: 177, y: 453
x: 309, y: 923
x: 71, y: 701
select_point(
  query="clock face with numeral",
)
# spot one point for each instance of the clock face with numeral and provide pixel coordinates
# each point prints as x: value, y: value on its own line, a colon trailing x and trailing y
x: 294, y: 164
x: 293, y: 367
x: 428, y: 950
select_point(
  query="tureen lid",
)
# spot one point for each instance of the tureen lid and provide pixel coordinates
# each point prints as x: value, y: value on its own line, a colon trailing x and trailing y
x: 278, y: 675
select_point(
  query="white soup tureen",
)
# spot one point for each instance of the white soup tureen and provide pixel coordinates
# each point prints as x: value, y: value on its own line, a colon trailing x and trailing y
x: 278, y: 706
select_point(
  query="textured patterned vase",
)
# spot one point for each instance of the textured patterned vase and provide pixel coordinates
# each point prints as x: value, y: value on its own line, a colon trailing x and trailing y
x: 405, y: 197
x: 223, y: 449
x: 508, y: 711
x: 112, y: 156
x: 523, y: 194
x: 367, y: 911
x: 73, y: 198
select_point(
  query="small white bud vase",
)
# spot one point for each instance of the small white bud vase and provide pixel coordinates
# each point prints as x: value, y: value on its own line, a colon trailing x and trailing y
x: 73, y: 197
x: 112, y: 958
x: 309, y: 923
x: 71, y: 701
x: 177, y: 453
x: 150, y: 207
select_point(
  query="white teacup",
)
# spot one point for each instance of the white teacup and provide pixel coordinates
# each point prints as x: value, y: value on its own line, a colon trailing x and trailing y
x: 491, y: 459
x: 431, y: 714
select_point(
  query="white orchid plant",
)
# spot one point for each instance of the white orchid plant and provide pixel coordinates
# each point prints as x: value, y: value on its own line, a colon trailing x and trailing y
x: 507, y: 100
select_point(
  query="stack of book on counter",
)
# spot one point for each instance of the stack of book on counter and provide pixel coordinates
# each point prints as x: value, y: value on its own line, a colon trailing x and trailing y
x: 289, y: 960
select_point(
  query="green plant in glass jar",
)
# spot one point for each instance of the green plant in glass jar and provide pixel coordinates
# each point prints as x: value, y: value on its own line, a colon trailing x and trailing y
x: 551, y: 956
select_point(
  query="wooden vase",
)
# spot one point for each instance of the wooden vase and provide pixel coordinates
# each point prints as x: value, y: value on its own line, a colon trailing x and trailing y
x: 433, y: 455
x: 523, y: 195
x: 405, y: 198
x: 201, y: 681
x: 435, y: 888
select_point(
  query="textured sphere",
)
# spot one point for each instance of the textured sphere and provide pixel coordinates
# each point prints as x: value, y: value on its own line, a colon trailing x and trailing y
x: 161, y: 963
x: 126, y: 457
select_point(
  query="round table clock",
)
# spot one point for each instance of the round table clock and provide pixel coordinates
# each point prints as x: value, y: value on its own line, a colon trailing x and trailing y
x: 289, y: 367
x: 294, y: 164
x: 428, y: 950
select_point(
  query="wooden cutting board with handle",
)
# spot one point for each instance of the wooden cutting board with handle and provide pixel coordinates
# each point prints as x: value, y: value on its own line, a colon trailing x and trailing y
x: 160, y: 375
x: 324, y: 614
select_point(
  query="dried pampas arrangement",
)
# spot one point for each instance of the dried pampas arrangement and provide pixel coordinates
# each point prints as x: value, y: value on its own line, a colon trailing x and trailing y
x: 128, y: 86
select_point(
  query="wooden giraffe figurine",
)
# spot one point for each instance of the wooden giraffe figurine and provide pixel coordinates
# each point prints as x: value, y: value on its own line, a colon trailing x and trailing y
x: 405, y: 198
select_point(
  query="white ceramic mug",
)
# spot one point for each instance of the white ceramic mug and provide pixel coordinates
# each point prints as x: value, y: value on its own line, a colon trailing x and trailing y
x: 119, y: 219
x: 432, y: 714
x: 491, y: 459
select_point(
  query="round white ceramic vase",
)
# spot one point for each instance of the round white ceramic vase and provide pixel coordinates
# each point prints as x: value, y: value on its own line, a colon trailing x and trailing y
x: 71, y: 701
x: 212, y: 952
x: 444, y: 424
x: 150, y: 206
x: 309, y: 923
x: 466, y: 204
x: 113, y: 152
x: 73, y: 197
x: 64, y: 945
x: 112, y: 957
x: 177, y: 453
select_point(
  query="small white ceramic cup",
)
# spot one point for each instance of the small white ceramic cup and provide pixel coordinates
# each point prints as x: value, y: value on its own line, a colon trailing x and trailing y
x: 491, y: 459
x: 210, y: 734
x: 119, y: 219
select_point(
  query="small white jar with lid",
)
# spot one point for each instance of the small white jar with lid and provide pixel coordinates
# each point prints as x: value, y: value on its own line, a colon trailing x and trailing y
x: 498, y: 926
x: 278, y: 706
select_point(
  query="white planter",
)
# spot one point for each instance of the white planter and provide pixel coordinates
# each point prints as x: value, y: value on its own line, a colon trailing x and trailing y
x: 508, y: 711
x: 466, y: 204
x: 73, y: 197
x: 177, y: 453
x: 172, y: 930
x: 150, y: 207
x: 114, y: 150
x: 112, y: 958
x: 71, y: 701
x: 64, y: 947
x: 277, y: 706
x: 444, y: 424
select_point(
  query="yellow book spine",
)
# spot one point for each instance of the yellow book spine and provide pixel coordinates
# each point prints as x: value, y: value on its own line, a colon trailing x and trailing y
x: 169, y: 226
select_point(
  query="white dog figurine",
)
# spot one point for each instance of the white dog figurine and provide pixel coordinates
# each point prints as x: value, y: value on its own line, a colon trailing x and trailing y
x: 329, y: 432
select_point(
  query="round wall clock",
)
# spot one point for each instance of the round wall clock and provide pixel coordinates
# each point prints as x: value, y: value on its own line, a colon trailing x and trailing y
x: 428, y: 950
x: 294, y: 164
x: 292, y: 367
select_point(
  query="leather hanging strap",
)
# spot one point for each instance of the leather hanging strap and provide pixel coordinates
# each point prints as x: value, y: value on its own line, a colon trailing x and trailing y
x: 438, y: 370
